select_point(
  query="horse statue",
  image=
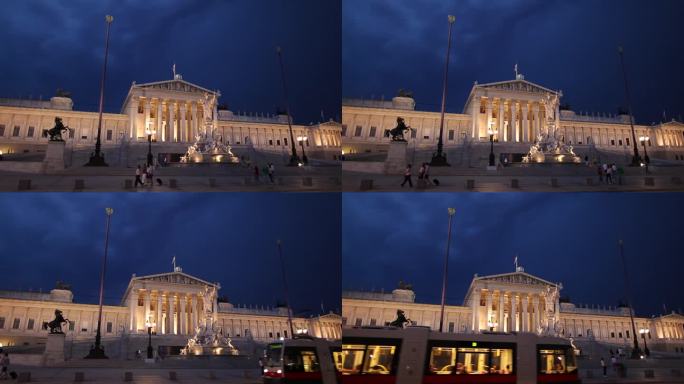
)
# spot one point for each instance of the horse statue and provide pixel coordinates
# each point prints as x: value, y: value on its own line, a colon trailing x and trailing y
x: 397, y: 133
x: 56, y: 324
x: 55, y: 132
x: 401, y: 320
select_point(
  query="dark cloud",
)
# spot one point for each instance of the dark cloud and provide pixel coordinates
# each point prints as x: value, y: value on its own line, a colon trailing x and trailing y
x: 226, y: 45
x: 227, y: 238
x: 568, y: 238
x: 564, y: 45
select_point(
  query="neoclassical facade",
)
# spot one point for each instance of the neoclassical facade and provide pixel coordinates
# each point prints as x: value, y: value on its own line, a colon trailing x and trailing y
x: 514, y: 110
x: 173, y: 112
x: 515, y: 302
x: 174, y: 304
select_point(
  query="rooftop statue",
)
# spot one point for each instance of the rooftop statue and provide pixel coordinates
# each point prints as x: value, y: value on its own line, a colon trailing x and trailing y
x: 400, y: 321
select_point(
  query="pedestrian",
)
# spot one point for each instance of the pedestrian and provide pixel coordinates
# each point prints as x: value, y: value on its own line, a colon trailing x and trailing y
x: 150, y: 174
x: 586, y: 160
x: 599, y: 170
x: 609, y: 175
x: 421, y: 171
x: 138, y: 174
x: 613, y: 362
x: 604, y: 367
x: 426, y: 176
x: 407, y: 176
x: 144, y: 176
x: 4, y: 363
x: 256, y: 173
x: 271, y: 171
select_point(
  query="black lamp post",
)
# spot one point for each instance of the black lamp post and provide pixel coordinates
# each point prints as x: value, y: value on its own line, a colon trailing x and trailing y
x: 294, y: 159
x: 439, y: 158
x: 643, y: 332
x: 643, y: 140
x: 491, y: 132
x: 636, y: 160
x: 97, y: 158
x: 150, y: 159
x: 97, y: 351
x: 636, y: 352
x: 287, y: 295
x: 150, y: 350
x: 451, y: 212
x: 301, y: 140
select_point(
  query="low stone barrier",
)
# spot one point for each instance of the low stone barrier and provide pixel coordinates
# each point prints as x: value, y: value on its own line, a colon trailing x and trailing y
x: 173, y: 376
x: 554, y: 182
x: 24, y: 377
x: 649, y: 182
x: 515, y: 183
x: 648, y: 374
x: 79, y: 377
x: 128, y: 376
x: 173, y: 183
x: 590, y: 181
x: 470, y: 184
x: 366, y: 184
x: 676, y: 180
x: 79, y: 185
x: 128, y: 184
x: 212, y: 183
x: 307, y: 181
x: 24, y: 185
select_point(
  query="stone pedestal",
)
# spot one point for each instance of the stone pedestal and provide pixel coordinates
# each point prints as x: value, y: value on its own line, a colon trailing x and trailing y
x: 396, y: 158
x: 54, y: 350
x: 54, y: 157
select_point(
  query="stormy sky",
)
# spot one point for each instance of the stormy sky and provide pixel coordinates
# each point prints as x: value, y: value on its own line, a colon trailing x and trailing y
x: 217, y: 44
x: 559, y: 237
x: 566, y: 45
x: 228, y: 238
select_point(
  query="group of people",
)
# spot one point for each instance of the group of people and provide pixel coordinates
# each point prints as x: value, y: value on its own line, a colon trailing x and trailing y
x: 268, y: 169
x: 609, y: 173
x: 613, y: 361
x: 4, y: 365
x: 144, y: 175
x: 423, y: 174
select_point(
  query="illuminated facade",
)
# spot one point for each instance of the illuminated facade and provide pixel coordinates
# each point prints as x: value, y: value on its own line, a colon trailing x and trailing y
x: 172, y: 111
x: 518, y: 302
x: 511, y: 108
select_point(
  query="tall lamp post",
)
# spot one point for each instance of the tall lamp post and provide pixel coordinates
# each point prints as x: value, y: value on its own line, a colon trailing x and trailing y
x: 150, y: 131
x: 97, y: 158
x: 643, y: 140
x: 451, y: 212
x: 150, y: 351
x: 439, y: 158
x: 301, y: 140
x: 294, y: 159
x: 644, y: 332
x: 287, y: 296
x: 636, y: 160
x: 636, y: 352
x: 491, y: 132
x: 97, y: 352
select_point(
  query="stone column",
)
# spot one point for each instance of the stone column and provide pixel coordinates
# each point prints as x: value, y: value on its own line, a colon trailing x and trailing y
x: 525, y: 318
x: 193, y: 123
x: 475, y: 306
x: 159, y: 311
x: 183, y: 316
x: 133, y: 306
x: 488, y: 308
x: 133, y: 114
x: 500, y: 326
x: 526, y: 125
x: 500, y: 120
x: 514, y: 313
x: 147, y: 306
x: 160, y: 134
x: 172, y: 121
x: 184, y: 126
x: 194, y: 313
x: 515, y: 132
x: 146, y: 115
x: 171, y: 316
x: 488, y: 107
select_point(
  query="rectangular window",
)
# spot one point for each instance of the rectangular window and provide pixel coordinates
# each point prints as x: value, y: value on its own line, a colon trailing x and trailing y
x: 620, y: 142
x: 364, y: 359
x: 285, y: 141
x: 15, y: 133
x: 627, y: 333
x: 372, y: 132
x: 71, y: 133
x: 72, y: 325
x: 458, y: 361
x: 109, y: 327
x: 301, y: 359
x: 140, y: 108
x: 451, y: 134
x: 2, y: 129
x: 620, y: 335
x: 15, y: 324
x: 277, y: 142
x: 612, y: 334
x: 357, y: 322
x: 426, y: 137
x: 285, y: 334
x: 344, y: 129
x: 84, y: 137
x: 612, y: 142
x: 482, y: 109
x: 554, y: 361
x: 2, y: 322
x: 246, y: 332
x: 109, y: 135
x: 357, y: 132
x: 270, y: 142
x: 278, y: 335
x: 344, y: 321
x: 627, y: 140
x: 270, y: 334
x: 451, y: 327
x: 31, y: 130
x: 372, y: 322
x: 30, y: 324
x: 413, y: 133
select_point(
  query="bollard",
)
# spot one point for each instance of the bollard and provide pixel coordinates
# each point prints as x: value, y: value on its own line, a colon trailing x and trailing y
x: 366, y: 185
x: 212, y: 183
x: 173, y: 183
x: 307, y: 181
x: 24, y: 377
x: 128, y: 376
x: 79, y: 377
x: 515, y: 183
x: 128, y: 184
x: 79, y: 185
x: 554, y: 182
x: 648, y: 181
x: 24, y: 185
x: 173, y: 376
x: 590, y: 181
x: 470, y: 184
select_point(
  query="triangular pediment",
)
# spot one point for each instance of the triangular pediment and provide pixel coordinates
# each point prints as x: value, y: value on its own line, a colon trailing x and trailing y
x: 521, y: 278
x: 174, y: 278
x: 517, y: 86
x: 673, y: 316
x: 177, y: 85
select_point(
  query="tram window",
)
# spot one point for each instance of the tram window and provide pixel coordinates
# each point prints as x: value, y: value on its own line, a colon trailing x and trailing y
x: 502, y: 361
x: 442, y: 361
x: 379, y: 359
x: 447, y: 361
x: 350, y: 361
x: 300, y: 360
x: 472, y: 361
x: 553, y: 361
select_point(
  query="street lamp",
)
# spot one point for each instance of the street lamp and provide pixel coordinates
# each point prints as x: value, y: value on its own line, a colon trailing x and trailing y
x: 150, y: 352
x: 644, y: 332
x: 492, y: 324
x: 294, y: 159
x: 451, y: 212
x: 439, y: 158
x: 636, y: 160
x: 643, y: 140
x: 150, y: 131
x: 97, y: 158
x: 301, y: 140
x: 636, y: 352
x: 491, y: 132
x: 97, y: 352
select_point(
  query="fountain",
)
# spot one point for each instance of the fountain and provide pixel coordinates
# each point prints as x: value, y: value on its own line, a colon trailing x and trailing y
x: 206, y: 148
x: 209, y: 339
x: 548, y: 148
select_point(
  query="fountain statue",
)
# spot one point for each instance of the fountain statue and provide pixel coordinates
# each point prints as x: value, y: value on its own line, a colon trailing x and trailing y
x: 209, y: 338
x: 548, y: 148
x: 208, y: 148
x: 550, y: 325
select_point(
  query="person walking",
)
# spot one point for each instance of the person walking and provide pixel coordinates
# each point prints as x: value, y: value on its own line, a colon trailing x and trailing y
x: 150, y: 174
x: 604, y: 367
x: 256, y: 173
x: 609, y: 175
x: 599, y: 170
x: 144, y: 176
x: 407, y: 176
x: 421, y: 171
x: 4, y: 363
x: 426, y: 175
x: 271, y: 171
x: 138, y: 174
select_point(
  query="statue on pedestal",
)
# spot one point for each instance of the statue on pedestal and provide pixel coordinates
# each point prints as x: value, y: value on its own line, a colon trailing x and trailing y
x: 397, y: 133
x: 55, y: 132
x: 401, y: 320
x: 55, y: 326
